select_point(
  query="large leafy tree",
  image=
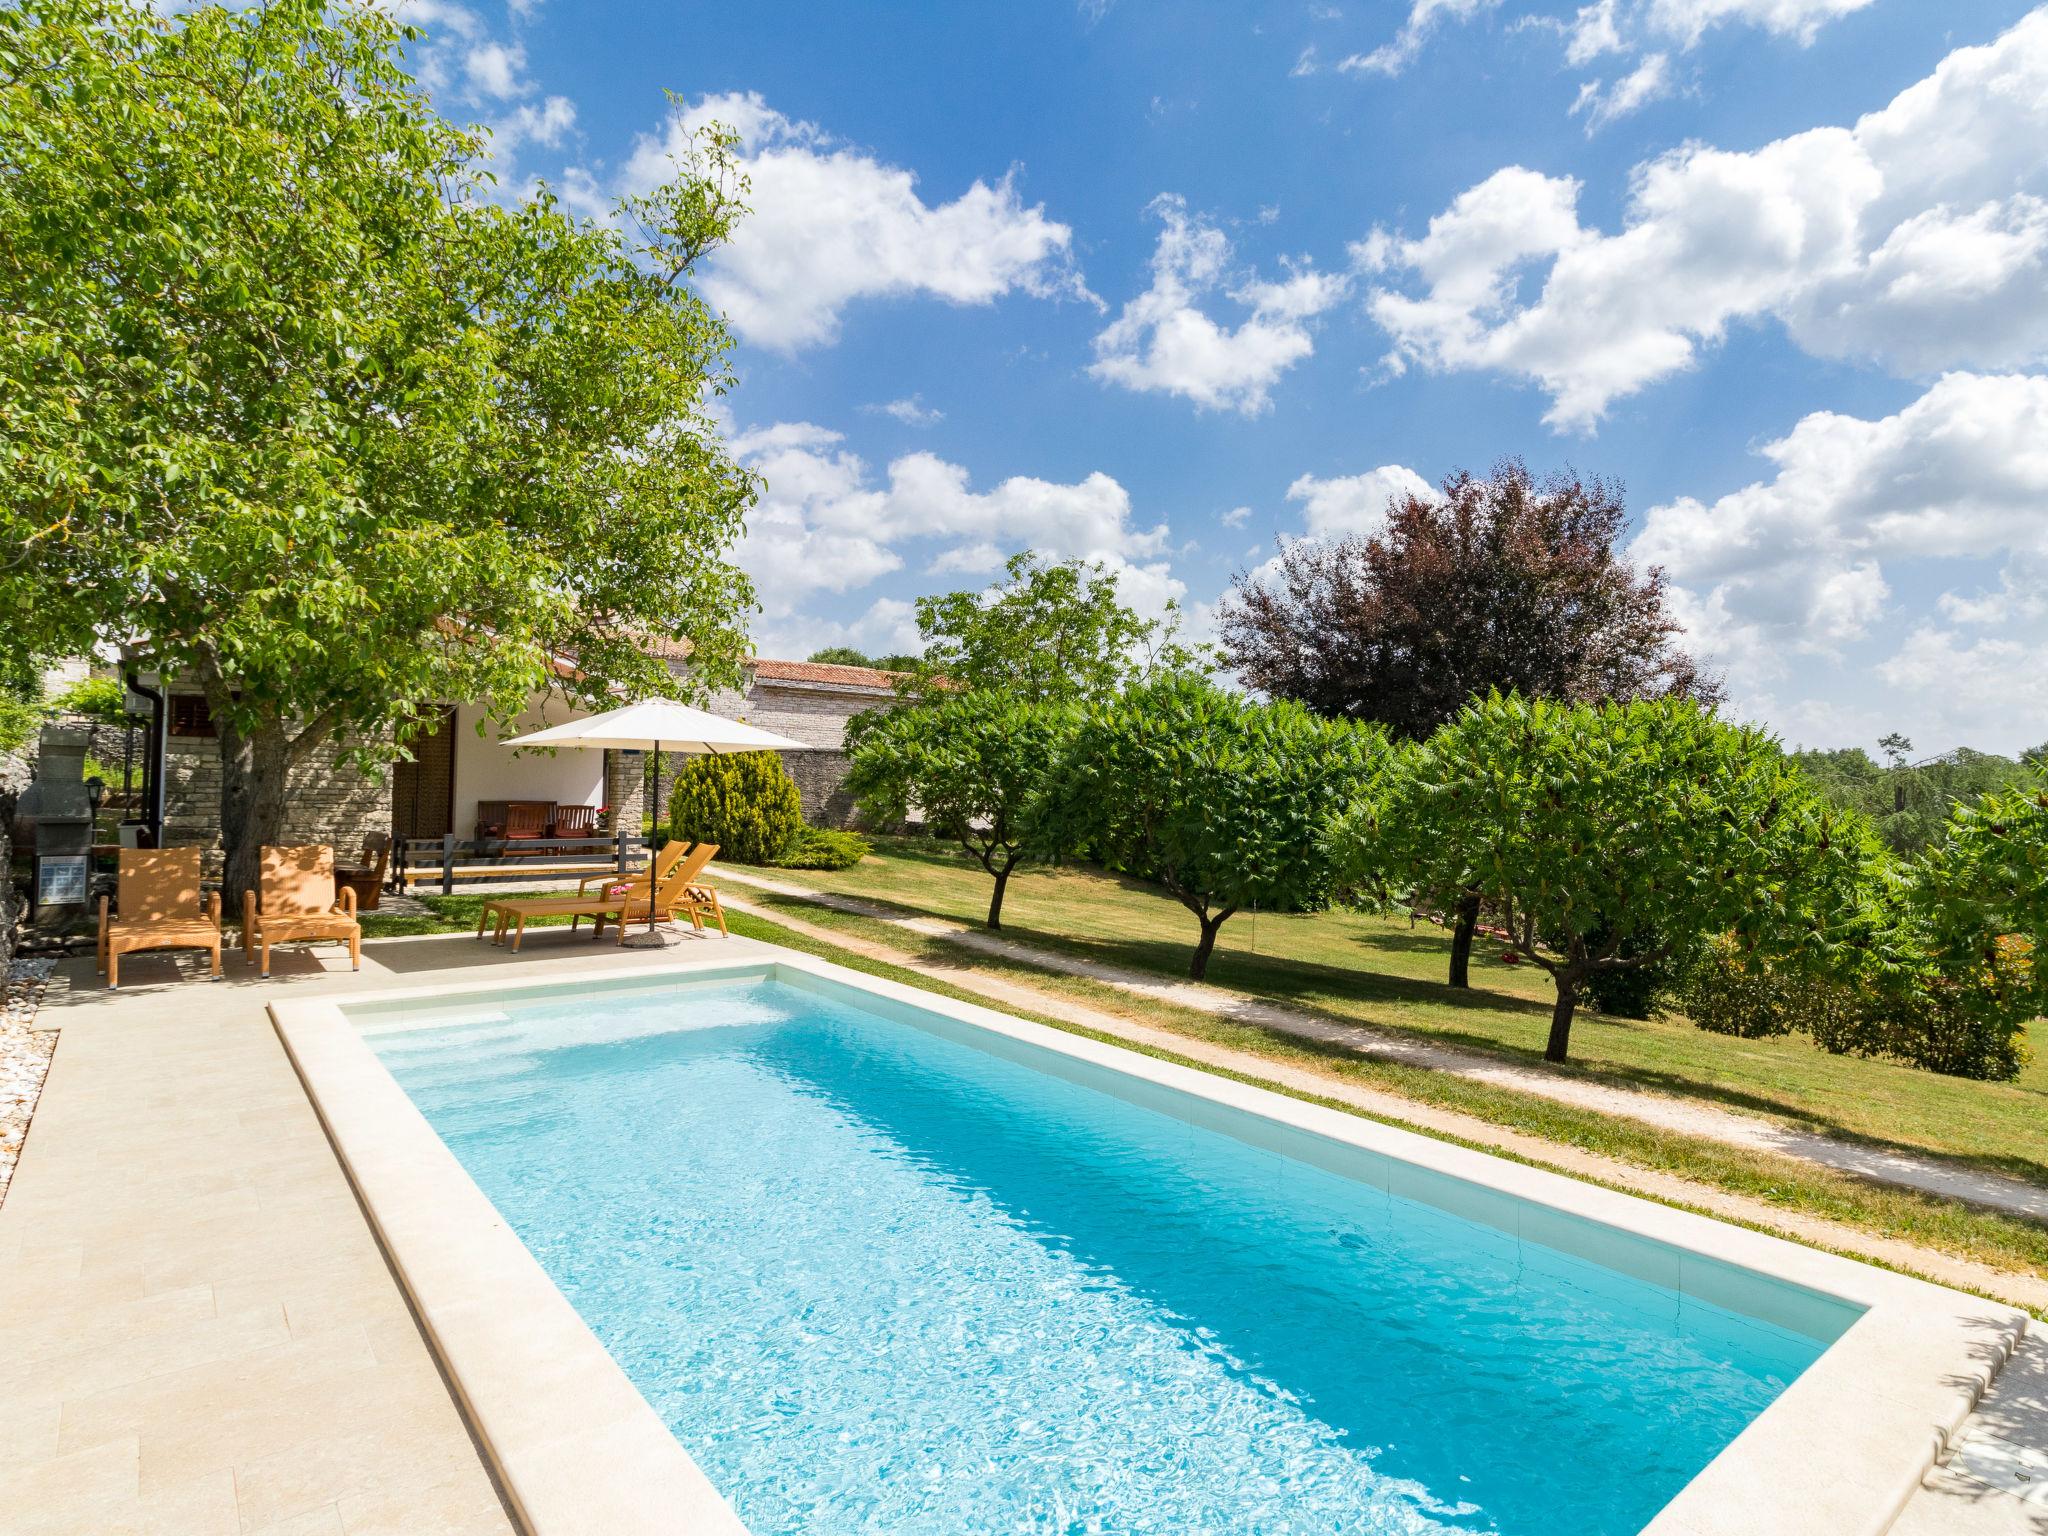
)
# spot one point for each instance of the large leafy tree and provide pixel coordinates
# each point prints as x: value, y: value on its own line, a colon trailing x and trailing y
x: 1979, y: 901
x: 1510, y: 583
x: 1047, y: 630
x: 1226, y: 801
x: 975, y: 764
x: 1590, y: 823
x: 299, y: 406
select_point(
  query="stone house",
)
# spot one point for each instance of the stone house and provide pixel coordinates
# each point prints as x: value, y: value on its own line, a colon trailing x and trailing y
x: 461, y: 763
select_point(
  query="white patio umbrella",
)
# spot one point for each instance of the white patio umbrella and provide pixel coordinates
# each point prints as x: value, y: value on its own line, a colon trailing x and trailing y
x: 659, y: 725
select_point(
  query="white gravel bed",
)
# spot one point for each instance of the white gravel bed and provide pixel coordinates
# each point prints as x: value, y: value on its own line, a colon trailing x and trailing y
x: 24, y: 1057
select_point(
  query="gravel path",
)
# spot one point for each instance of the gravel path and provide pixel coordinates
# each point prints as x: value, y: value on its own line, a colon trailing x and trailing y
x: 1927, y: 1174
x: 24, y: 1057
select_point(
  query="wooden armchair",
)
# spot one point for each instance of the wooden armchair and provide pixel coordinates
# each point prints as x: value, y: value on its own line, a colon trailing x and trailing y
x: 575, y: 821
x: 366, y: 878
x: 299, y: 901
x: 160, y: 908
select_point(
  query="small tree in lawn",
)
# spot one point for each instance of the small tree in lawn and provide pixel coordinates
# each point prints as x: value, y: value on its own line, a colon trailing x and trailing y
x: 975, y: 763
x: 1048, y: 630
x: 1590, y: 823
x: 300, y: 405
x: 1507, y: 582
x: 1225, y: 801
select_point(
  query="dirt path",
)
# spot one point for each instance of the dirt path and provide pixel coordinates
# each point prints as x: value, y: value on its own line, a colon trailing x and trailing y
x: 1926, y: 1174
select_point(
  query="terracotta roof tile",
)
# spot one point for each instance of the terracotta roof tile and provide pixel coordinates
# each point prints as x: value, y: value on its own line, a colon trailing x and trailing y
x: 823, y: 672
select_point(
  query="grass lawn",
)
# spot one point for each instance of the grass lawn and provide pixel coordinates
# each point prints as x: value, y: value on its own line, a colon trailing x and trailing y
x: 1378, y: 971
x: 450, y: 914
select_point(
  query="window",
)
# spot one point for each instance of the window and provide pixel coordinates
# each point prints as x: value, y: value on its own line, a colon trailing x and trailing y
x: 190, y: 716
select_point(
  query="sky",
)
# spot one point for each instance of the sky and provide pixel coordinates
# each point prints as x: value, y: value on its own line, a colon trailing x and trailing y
x: 1167, y: 284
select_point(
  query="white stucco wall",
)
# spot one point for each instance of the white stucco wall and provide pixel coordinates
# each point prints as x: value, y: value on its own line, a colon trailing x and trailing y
x: 486, y: 770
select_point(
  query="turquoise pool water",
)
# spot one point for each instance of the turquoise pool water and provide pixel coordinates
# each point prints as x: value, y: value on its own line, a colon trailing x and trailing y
x: 881, y: 1280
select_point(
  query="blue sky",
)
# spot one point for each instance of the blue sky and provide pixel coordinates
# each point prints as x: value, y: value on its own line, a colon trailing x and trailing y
x: 1162, y: 284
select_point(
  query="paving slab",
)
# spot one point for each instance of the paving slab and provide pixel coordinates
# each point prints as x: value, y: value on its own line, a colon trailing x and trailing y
x: 198, y: 1331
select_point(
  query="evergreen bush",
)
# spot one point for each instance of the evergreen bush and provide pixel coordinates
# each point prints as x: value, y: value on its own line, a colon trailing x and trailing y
x: 823, y: 848
x: 745, y: 802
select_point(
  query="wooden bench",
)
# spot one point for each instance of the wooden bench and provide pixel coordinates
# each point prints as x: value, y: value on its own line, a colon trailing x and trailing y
x: 445, y: 861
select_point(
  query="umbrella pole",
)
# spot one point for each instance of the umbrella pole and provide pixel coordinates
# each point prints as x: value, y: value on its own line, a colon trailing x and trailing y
x: 654, y: 825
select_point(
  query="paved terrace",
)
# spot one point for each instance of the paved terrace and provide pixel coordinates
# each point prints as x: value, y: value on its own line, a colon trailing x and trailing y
x: 199, y: 1334
x: 198, y: 1331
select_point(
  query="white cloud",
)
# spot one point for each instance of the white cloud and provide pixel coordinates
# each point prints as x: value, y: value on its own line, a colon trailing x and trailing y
x: 888, y: 627
x: 546, y: 122
x: 496, y: 70
x: 911, y: 411
x: 1797, y: 580
x: 1355, y: 504
x: 1688, y: 20
x: 831, y: 225
x: 1918, y: 239
x: 1423, y: 17
x: 1161, y: 341
x: 826, y: 523
x: 1649, y: 81
x: 1594, y: 31
x: 1236, y: 517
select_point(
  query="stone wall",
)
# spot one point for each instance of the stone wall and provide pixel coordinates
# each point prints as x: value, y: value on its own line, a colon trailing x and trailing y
x: 816, y: 715
x: 328, y: 801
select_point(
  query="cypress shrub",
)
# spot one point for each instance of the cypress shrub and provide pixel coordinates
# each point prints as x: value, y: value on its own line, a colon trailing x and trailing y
x: 745, y: 802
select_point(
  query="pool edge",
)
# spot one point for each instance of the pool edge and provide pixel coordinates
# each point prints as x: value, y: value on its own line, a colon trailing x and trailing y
x: 1837, y: 1454
x: 575, y: 1447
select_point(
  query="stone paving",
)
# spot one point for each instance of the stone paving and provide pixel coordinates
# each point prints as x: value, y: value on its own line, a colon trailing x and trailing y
x: 198, y: 1331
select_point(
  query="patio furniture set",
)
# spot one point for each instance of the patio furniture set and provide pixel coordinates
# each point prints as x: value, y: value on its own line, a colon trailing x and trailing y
x: 159, y: 903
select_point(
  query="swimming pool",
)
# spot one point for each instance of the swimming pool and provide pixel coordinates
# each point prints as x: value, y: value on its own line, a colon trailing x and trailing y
x: 882, y: 1271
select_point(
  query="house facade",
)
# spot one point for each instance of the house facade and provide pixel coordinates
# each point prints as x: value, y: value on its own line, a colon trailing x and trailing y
x: 461, y: 764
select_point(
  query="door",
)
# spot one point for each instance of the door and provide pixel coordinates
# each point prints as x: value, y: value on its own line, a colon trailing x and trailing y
x: 423, y: 790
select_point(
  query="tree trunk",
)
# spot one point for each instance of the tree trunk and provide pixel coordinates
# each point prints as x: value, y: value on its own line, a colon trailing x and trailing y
x: 995, y: 902
x: 1463, y: 927
x: 1198, y: 968
x: 1561, y: 1018
x: 252, y: 802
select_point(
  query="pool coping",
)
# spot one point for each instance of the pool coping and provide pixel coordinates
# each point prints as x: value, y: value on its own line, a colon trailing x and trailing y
x: 578, y: 1449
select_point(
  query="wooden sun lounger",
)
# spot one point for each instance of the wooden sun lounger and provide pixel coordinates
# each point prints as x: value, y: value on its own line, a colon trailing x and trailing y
x: 299, y: 902
x: 160, y: 908
x: 675, y: 871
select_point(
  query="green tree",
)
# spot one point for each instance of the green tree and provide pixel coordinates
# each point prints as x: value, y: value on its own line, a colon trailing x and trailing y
x: 298, y: 405
x: 22, y: 709
x: 1225, y: 801
x: 1910, y: 802
x: 847, y: 656
x: 1618, y: 835
x: 975, y: 763
x: 1508, y: 583
x: 745, y: 802
x: 1047, y: 630
x: 1979, y: 897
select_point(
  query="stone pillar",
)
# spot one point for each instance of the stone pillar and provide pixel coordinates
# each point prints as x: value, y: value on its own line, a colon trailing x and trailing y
x: 58, y: 805
x: 625, y: 789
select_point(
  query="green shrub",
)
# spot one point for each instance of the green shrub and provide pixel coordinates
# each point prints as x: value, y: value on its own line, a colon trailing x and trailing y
x: 822, y: 848
x: 1637, y: 991
x: 745, y: 802
x: 1732, y: 992
x: 1961, y: 1027
x: 99, y: 699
